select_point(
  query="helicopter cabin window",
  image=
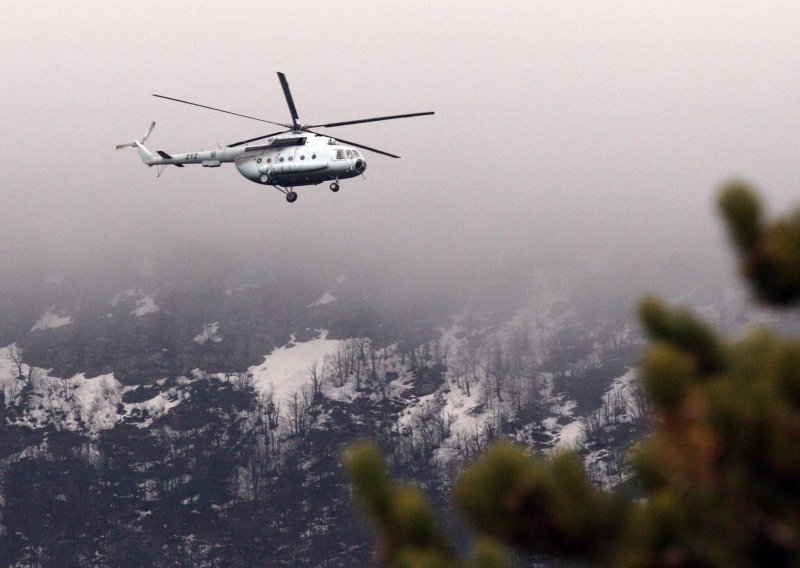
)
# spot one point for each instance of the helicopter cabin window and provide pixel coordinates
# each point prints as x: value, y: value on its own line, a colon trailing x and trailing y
x: 350, y: 154
x: 340, y: 154
x: 313, y: 156
x: 281, y: 160
x: 291, y: 158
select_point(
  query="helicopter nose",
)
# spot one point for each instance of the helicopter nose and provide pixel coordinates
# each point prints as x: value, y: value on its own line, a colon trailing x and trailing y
x: 361, y: 165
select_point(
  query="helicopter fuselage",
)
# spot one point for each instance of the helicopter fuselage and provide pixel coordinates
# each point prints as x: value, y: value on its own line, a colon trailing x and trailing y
x: 290, y: 160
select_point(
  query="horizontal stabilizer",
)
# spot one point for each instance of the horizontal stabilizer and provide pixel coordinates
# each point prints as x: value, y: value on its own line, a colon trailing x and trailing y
x: 166, y: 156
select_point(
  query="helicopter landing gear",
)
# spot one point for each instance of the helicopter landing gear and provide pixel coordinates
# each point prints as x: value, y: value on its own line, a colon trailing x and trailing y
x: 335, y: 187
x: 291, y: 196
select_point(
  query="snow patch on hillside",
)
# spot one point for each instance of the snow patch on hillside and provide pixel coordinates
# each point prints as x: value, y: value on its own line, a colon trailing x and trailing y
x: 145, y: 306
x: 160, y: 404
x: 462, y: 408
x: 344, y: 393
x: 210, y: 333
x: 76, y: 403
x: 97, y: 400
x: 566, y: 431
x: 285, y: 370
x: 51, y: 320
x: 571, y: 436
x: 326, y: 298
x: 10, y: 384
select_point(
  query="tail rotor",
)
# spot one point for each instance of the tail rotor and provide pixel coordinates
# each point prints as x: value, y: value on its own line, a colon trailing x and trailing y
x: 144, y: 153
x: 136, y: 143
x: 149, y: 131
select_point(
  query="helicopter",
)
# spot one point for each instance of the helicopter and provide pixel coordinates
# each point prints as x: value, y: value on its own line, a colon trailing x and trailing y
x: 289, y: 158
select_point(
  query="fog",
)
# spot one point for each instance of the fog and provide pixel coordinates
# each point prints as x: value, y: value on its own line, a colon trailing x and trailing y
x: 566, y: 134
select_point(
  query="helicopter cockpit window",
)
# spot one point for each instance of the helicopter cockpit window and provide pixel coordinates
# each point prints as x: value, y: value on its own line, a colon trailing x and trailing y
x: 357, y: 153
x: 350, y: 154
x: 340, y: 154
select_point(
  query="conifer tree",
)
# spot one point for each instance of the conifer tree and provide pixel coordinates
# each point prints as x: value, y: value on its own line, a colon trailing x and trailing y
x: 720, y: 469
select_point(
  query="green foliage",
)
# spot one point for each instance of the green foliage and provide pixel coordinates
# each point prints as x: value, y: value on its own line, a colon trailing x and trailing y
x: 489, y: 553
x: 535, y: 504
x: 407, y: 524
x: 721, y: 468
x: 769, y: 255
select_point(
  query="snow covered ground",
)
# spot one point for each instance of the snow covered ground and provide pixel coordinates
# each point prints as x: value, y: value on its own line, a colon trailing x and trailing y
x: 571, y: 436
x: 96, y: 400
x: 285, y: 370
x: 210, y: 333
x: 160, y: 404
x: 326, y: 298
x: 10, y: 385
x: 145, y: 306
x: 51, y: 320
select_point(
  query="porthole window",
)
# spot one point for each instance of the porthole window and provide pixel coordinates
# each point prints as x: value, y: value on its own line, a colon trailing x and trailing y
x: 258, y: 160
x: 291, y: 158
x: 280, y: 160
x: 302, y: 157
x: 313, y: 156
x: 269, y: 160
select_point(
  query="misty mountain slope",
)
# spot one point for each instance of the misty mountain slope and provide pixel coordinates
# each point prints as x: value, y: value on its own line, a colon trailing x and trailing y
x: 240, y: 464
x: 145, y: 326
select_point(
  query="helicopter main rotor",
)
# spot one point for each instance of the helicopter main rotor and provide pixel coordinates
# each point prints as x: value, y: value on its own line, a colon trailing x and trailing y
x: 295, y: 125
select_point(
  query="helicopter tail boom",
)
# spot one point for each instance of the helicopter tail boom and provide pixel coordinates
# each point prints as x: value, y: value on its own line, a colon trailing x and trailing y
x: 145, y: 154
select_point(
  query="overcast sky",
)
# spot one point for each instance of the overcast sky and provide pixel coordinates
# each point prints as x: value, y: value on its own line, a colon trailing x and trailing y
x: 568, y: 128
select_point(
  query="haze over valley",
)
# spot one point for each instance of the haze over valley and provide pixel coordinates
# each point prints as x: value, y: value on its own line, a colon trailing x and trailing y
x: 184, y: 357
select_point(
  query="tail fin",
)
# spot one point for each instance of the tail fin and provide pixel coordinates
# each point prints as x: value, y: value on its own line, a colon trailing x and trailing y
x: 144, y: 153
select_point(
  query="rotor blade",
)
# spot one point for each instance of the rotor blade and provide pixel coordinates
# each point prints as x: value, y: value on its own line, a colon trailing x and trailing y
x: 376, y: 119
x: 254, y: 139
x: 149, y: 131
x: 131, y: 145
x: 219, y: 110
x: 364, y: 147
x: 289, y: 100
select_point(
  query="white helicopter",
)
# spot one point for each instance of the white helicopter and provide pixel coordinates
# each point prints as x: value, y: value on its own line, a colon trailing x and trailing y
x: 287, y: 159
